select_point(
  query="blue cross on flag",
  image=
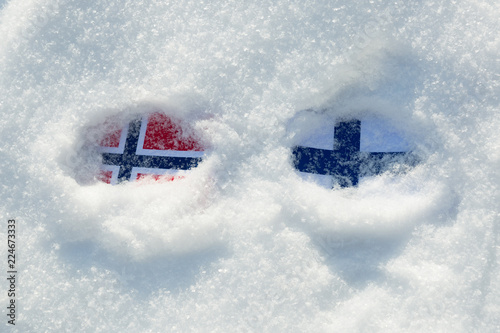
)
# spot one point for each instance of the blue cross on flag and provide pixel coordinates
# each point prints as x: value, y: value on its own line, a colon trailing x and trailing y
x: 345, y: 151
x: 154, y: 145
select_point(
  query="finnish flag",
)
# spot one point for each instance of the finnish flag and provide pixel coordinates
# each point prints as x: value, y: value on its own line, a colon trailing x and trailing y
x: 340, y: 152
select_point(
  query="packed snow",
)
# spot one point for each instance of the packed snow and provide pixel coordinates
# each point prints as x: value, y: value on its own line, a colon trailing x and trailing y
x: 244, y: 243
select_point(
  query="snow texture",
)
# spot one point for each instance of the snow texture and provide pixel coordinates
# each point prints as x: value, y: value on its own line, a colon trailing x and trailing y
x: 243, y: 243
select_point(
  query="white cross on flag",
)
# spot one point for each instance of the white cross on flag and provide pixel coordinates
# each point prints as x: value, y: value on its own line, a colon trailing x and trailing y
x: 155, y: 145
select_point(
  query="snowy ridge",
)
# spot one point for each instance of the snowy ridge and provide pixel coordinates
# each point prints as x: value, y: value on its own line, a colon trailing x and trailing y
x: 244, y: 243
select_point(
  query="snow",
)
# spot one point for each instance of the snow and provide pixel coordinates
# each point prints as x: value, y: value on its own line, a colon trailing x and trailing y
x: 244, y: 243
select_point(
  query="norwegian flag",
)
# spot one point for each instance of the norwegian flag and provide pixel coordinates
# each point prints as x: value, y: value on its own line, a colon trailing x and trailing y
x: 154, y: 145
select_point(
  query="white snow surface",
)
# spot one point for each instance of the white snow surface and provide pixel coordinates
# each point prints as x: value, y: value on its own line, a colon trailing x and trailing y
x: 243, y: 243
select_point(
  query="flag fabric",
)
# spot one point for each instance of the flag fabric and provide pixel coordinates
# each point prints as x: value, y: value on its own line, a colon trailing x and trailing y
x: 154, y: 145
x: 337, y: 153
x: 341, y: 152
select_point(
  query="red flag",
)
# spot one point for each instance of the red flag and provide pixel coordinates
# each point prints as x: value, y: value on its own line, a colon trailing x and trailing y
x: 155, y: 146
